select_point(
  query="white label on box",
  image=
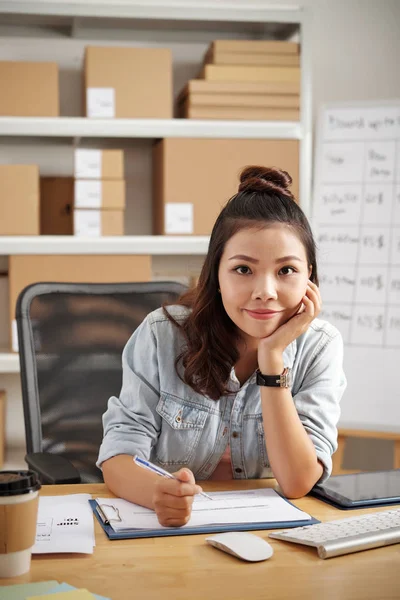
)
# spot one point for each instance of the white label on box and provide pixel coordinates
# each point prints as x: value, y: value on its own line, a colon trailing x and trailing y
x: 87, y: 164
x: 4, y: 318
x: 88, y: 194
x: 14, y: 336
x: 87, y: 223
x: 179, y: 217
x: 100, y: 103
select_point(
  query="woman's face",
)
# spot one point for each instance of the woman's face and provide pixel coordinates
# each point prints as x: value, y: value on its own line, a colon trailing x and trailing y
x: 263, y: 276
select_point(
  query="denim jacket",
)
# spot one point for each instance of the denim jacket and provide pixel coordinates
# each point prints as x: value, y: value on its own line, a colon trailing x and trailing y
x: 160, y: 418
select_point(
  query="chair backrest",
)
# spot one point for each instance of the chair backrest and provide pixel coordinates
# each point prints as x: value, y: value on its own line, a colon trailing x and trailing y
x: 71, y: 338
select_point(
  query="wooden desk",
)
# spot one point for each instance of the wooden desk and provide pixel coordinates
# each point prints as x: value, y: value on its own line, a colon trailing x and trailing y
x: 186, y: 568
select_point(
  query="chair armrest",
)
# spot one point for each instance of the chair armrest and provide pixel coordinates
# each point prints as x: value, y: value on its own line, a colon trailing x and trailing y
x: 52, y: 468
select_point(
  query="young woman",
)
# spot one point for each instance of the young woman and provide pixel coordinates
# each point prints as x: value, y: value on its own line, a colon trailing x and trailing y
x: 238, y: 379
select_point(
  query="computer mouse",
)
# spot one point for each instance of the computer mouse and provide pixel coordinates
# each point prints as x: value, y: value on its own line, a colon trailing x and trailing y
x: 242, y: 544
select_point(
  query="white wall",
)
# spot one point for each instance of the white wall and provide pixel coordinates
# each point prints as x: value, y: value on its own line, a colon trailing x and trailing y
x: 355, y: 50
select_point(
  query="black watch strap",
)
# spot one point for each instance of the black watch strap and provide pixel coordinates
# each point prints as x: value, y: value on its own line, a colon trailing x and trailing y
x: 282, y: 380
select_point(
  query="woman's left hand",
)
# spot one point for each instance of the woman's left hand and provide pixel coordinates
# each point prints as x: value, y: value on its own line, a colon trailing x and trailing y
x: 285, y: 334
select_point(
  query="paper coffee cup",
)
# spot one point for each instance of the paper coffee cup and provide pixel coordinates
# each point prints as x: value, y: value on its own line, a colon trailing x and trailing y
x: 19, y: 492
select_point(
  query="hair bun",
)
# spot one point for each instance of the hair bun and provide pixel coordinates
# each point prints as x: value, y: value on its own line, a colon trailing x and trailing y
x: 260, y: 179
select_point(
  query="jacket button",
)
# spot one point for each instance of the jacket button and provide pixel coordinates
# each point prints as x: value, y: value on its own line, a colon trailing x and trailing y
x: 235, y: 434
x: 238, y: 470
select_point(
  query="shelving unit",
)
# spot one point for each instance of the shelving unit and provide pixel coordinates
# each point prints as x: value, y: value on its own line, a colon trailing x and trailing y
x: 71, y: 127
x: 141, y: 244
x: 178, y: 23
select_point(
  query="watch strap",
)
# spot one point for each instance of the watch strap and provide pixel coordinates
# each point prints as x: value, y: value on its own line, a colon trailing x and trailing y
x: 282, y: 380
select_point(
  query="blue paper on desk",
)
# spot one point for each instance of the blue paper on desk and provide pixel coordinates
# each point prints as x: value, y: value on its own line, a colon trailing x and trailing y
x: 20, y: 591
x: 240, y: 510
x: 65, y: 587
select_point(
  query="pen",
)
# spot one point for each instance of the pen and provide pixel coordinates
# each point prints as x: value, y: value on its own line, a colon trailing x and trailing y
x: 102, y: 515
x: 146, y: 464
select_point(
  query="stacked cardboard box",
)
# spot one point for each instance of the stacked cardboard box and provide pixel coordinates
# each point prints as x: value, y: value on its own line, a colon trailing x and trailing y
x: 99, y: 192
x: 193, y: 178
x: 2, y: 427
x: 132, y: 83
x: 244, y: 79
x: 92, y: 204
x: 29, y: 89
x: 19, y: 199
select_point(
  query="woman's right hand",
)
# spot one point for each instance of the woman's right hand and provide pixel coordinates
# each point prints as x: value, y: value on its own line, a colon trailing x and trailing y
x: 173, y: 498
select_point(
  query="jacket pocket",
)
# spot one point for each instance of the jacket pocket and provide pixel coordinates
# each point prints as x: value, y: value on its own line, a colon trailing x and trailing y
x: 181, y: 429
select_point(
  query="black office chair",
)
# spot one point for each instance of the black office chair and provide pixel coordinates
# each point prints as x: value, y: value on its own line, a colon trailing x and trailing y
x: 71, y: 337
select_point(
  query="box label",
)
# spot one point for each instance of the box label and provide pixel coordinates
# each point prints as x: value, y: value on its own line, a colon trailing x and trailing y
x: 14, y: 336
x: 87, y: 223
x: 179, y: 217
x: 88, y: 194
x: 100, y: 103
x: 87, y: 164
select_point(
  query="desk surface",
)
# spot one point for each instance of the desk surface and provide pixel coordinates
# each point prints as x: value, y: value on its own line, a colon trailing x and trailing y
x: 186, y: 568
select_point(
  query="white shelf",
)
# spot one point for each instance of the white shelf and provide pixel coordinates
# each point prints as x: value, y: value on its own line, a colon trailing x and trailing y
x: 207, y: 10
x: 140, y: 244
x: 146, y: 128
x: 9, y: 362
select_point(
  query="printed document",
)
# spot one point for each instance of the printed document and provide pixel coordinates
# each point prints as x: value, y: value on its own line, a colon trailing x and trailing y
x: 247, y: 506
x: 64, y: 524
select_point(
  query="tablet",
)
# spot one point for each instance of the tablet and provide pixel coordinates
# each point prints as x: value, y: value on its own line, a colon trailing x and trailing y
x: 378, y: 488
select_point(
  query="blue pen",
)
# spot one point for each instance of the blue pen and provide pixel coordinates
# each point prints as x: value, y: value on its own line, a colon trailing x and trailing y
x: 146, y: 464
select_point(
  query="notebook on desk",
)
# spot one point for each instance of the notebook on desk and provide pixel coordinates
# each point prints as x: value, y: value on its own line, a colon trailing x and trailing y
x: 242, y: 510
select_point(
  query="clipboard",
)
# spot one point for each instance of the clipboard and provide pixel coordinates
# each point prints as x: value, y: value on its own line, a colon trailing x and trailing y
x: 212, y: 528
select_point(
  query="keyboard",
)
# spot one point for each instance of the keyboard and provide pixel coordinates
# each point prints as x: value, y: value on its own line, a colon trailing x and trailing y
x: 343, y: 536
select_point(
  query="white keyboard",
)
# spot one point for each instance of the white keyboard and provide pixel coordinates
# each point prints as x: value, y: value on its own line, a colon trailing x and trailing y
x: 344, y: 536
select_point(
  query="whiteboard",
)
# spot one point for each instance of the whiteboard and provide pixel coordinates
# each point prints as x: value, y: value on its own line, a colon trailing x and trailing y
x: 356, y: 221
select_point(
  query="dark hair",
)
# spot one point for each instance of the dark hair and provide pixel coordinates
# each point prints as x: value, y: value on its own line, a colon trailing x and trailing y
x: 211, y: 337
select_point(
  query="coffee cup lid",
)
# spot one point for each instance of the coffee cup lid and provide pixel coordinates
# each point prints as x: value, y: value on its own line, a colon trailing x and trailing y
x: 13, y: 483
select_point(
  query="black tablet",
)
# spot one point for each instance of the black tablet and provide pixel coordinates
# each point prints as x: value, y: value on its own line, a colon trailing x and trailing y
x: 379, y: 488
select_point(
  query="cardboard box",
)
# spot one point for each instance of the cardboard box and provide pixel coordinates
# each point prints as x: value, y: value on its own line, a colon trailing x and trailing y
x: 27, y: 269
x: 240, y: 112
x: 4, y: 324
x: 59, y: 196
x: 93, y: 193
x: 243, y: 101
x: 19, y: 199
x: 2, y: 427
x: 216, y: 57
x: 98, y: 164
x: 251, y: 73
x: 256, y: 46
x: 56, y: 205
x: 244, y: 88
x: 96, y: 223
x: 29, y: 89
x: 132, y: 83
x: 193, y: 178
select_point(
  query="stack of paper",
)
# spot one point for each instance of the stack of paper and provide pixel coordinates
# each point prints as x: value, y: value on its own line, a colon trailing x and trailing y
x: 21, y: 591
x: 225, y: 508
x: 65, y: 524
x: 45, y: 590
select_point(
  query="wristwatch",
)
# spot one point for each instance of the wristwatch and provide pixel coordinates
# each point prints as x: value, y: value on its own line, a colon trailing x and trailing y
x: 283, y: 380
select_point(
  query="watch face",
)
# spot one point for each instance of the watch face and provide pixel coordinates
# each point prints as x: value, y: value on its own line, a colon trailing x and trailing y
x: 286, y: 378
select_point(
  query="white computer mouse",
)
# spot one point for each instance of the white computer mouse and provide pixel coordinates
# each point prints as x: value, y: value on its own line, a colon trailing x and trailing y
x: 242, y: 544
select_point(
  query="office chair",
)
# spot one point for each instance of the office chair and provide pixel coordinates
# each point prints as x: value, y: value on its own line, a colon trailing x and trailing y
x: 71, y: 337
